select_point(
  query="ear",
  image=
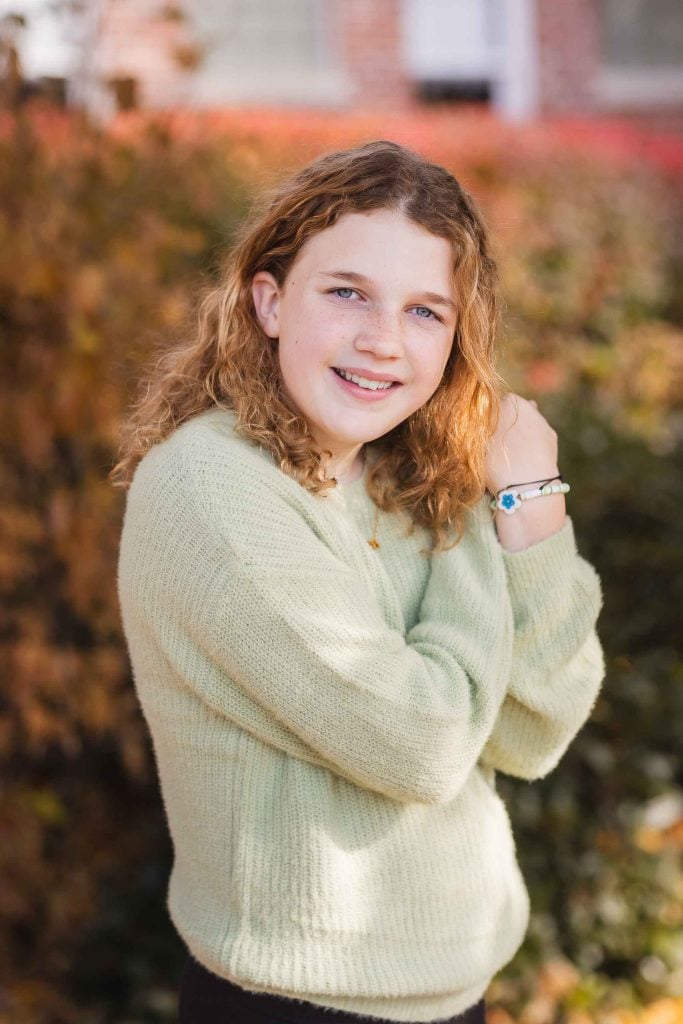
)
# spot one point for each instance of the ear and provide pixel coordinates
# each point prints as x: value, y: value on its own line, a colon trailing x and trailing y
x: 266, y: 294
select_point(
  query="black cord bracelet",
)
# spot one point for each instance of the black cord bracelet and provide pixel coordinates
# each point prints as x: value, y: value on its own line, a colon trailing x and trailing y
x: 527, y: 482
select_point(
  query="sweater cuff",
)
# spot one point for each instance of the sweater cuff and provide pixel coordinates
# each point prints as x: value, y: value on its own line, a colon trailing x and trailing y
x: 545, y: 566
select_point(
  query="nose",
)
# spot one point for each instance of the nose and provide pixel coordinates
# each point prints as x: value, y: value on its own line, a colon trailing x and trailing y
x: 381, y: 333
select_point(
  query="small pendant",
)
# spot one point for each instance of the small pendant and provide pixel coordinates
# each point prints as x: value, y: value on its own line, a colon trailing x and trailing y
x: 374, y: 544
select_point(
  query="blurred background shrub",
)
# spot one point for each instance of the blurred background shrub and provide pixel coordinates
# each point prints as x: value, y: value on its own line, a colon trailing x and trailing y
x: 104, y: 240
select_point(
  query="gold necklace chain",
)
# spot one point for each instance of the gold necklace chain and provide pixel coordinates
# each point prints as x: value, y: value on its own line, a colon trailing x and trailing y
x: 373, y: 542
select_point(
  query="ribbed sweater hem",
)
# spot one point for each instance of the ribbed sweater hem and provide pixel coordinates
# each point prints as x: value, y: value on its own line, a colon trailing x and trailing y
x: 427, y: 1009
x: 388, y: 972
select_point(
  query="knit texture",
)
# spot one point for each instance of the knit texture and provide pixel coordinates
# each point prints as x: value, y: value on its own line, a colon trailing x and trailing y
x: 328, y: 719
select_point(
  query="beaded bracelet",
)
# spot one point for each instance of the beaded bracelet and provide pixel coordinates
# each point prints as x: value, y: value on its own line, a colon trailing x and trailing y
x: 509, y: 500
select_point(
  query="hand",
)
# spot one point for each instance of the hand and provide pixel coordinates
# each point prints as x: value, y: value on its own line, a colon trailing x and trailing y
x: 523, y: 447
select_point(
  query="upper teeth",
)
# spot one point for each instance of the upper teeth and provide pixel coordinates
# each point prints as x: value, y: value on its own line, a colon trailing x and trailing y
x: 363, y: 382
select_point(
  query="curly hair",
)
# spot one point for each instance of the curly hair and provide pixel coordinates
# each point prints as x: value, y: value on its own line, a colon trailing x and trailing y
x: 431, y: 465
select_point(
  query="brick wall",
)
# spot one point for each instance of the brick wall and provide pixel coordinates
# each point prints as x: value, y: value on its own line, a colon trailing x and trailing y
x: 368, y: 37
x: 568, y: 54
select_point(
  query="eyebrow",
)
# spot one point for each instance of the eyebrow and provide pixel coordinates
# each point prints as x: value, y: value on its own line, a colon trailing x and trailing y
x: 352, y: 275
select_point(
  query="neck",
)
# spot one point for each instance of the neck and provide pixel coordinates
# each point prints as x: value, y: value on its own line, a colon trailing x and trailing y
x: 346, y: 469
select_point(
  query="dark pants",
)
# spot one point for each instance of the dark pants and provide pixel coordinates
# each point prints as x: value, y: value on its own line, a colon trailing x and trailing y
x: 207, y: 999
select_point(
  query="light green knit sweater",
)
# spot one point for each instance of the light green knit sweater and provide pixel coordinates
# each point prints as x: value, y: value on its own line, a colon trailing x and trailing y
x: 327, y: 720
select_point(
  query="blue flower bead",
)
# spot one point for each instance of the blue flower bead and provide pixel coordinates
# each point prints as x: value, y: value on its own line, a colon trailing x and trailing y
x: 508, y: 502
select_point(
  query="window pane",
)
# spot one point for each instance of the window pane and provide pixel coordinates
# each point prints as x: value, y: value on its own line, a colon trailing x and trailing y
x: 642, y: 33
x: 254, y: 34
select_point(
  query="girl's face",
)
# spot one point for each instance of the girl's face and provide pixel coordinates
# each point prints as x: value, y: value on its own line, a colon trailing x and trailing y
x: 370, y: 296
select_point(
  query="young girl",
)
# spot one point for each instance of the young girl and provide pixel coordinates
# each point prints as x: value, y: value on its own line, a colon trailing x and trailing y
x: 335, y: 638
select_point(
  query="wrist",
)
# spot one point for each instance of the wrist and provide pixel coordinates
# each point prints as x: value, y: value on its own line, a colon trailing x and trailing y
x: 533, y: 521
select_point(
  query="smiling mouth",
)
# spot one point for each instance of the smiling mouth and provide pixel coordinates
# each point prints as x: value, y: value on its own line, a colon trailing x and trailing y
x: 371, y: 385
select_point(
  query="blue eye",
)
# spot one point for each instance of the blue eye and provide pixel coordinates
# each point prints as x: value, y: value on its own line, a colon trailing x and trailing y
x: 337, y: 291
x: 430, y: 313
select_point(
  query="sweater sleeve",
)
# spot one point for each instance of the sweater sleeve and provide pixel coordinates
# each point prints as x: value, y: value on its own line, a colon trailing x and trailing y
x: 557, y: 665
x: 246, y: 594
